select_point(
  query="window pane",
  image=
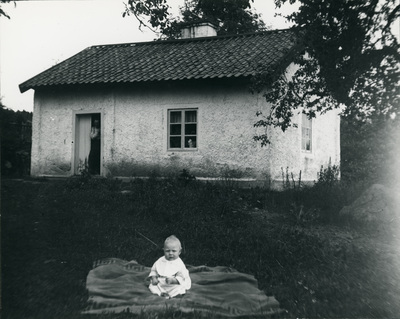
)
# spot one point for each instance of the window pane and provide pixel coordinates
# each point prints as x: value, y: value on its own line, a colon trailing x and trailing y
x: 306, y: 139
x: 306, y: 145
x: 175, y: 117
x: 306, y: 122
x: 175, y: 129
x: 190, y: 116
x: 175, y: 142
x: 190, y: 142
x: 190, y: 129
x: 182, y: 129
x: 306, y: 133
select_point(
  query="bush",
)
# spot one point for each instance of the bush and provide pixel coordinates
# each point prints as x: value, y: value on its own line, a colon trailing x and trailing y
x: 312, y: 204
x: 16, y: 136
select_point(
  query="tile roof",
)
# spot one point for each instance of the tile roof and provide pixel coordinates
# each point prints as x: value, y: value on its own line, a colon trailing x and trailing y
x: 201, y: 58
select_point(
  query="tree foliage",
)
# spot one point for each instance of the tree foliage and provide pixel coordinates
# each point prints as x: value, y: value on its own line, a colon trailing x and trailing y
x: 370, y: 151
x: 231, y: 17
x: 2, y: 12
x: 349, y: 56
x: 16, y: 135
x: 351, y: 60
x: 153, y: 14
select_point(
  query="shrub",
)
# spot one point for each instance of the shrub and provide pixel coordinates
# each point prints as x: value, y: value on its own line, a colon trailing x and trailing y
x: 328, y: 177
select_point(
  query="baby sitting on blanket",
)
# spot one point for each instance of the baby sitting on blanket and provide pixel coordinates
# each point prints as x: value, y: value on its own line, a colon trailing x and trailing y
x: 169, y: 276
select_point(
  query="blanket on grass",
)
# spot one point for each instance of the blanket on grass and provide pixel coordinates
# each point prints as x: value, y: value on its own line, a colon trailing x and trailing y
x: 116, y: 285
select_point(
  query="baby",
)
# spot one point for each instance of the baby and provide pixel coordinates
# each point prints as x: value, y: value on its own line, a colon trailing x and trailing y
x: 169, y: 276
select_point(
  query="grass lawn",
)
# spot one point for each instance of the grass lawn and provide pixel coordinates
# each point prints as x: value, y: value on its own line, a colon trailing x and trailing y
x: 53, y: 231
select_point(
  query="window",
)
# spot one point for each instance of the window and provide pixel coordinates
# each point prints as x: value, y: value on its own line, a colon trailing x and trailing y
x: 182, y: 129
x: 306, y: 133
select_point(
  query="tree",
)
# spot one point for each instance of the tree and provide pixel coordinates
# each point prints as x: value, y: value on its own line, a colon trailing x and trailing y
x: 15, y: 141
x: 370, y: 151
x: 351, y: 60
x: 2, y: 12
x: 348, y: 58
x: 155, y: 11
x: 231, y: 17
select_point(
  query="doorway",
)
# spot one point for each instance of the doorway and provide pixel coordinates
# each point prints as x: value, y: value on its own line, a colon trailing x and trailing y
x: 88, y: 144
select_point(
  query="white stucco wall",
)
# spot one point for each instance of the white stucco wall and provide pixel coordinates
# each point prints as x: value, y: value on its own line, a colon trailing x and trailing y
x: 225, y: 129
x: 53, y: 127
x: 326, y: 145
x: 286, y: 155
x: 134, y: 132
x: 325, y: 148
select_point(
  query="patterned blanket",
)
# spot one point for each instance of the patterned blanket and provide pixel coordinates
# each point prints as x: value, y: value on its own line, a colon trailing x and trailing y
x: 116, y: 285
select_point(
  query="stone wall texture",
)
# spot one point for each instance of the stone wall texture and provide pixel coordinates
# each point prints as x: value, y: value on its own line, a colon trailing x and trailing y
x: 135, y: 131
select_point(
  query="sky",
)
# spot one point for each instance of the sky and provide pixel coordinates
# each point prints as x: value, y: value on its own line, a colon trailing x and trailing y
x: 40, y: 34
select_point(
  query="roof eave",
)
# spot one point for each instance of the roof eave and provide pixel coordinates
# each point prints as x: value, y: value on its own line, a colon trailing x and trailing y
x: 25, y: 87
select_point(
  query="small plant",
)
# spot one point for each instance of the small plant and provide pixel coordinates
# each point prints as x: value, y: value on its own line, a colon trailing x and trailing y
x: 324, y: 200
x: 329, y: 176
x: 288, y: 181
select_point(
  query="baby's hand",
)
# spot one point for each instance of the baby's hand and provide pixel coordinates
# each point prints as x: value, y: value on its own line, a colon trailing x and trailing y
x: 154, y: 280
x: 171, y: 281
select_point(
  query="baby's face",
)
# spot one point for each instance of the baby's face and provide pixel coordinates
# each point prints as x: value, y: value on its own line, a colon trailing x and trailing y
x: 172, y: 250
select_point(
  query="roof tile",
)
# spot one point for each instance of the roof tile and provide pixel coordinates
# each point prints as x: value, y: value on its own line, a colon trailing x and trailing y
x: 202, y: 58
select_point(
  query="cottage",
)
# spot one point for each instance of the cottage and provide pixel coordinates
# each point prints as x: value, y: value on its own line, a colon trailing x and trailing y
x: 164, y: 106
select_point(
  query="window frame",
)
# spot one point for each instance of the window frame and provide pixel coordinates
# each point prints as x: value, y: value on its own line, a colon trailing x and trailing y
x: 182, y: 133
x: 306, y: 126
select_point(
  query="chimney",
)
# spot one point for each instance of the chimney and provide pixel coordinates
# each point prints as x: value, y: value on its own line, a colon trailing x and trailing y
x: 198, y: 29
